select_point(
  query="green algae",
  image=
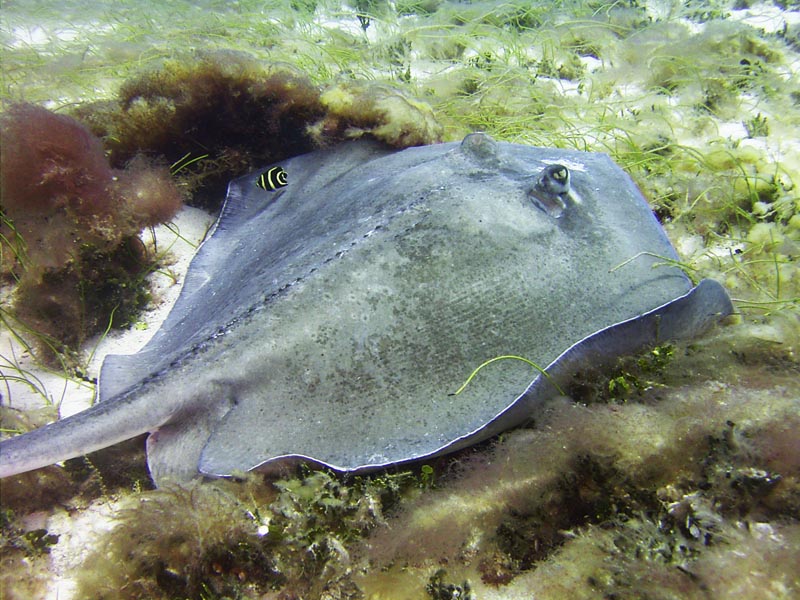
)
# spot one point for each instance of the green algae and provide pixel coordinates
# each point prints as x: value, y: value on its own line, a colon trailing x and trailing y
x: 218, y: 540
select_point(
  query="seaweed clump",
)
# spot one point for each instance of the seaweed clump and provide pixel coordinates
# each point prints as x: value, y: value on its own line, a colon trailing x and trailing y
x: 356, y: 109
x: 233, y: 112
x: 23, y: 557
x: 222, y: 115
x: 437, y: 589
x: 70, y: 224
x: 237, y: 540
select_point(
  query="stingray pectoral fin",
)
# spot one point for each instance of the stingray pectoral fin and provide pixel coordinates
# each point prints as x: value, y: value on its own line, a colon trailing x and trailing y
x: 174, y: 449
x: 244, y: 439
x: 681, y: 319
x: 230, y: 448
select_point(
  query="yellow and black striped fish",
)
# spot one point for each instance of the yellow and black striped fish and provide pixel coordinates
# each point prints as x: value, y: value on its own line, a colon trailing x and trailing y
x: 272, y: 179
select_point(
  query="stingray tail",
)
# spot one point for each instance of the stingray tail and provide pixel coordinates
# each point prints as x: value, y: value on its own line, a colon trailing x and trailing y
x: 102, y: 425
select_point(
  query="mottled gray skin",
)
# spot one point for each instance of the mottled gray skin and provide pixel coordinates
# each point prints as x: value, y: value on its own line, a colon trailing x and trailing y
x: 331, y: 320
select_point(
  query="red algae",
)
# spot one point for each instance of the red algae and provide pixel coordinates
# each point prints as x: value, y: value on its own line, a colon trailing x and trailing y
x: 70, y: 224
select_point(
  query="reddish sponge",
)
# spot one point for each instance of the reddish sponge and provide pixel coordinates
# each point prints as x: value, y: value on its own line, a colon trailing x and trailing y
x: 46, y: 155
x: 53, y: 173
x: 69, y: 221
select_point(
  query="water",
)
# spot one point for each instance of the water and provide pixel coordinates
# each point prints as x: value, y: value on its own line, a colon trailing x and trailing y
x: 699, y: 103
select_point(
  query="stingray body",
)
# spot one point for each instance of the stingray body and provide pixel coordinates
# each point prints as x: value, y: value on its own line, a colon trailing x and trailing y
x: 331, y: 319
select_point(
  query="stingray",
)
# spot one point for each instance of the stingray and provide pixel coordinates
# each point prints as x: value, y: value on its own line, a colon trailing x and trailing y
x: 345, y: 295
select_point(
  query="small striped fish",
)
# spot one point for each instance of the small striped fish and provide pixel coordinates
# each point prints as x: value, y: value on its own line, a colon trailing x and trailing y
x: 272, y: 179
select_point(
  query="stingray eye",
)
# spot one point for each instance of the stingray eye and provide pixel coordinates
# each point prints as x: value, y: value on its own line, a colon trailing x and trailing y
x: 554, y: 179
x: 551, y: 189
x: 272, y: 179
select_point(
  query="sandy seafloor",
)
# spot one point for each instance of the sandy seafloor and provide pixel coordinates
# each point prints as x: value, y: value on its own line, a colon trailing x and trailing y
x: 61, y: 53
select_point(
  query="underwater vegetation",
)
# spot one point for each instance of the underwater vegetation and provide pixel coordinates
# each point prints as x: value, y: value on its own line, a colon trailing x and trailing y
x: 675, y: 475
x: 213, y: 541
x: 70, y: 225
x: 221, y: 115
x: 229, y: 112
